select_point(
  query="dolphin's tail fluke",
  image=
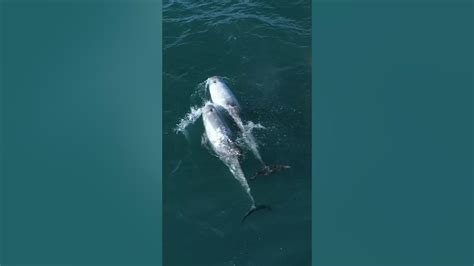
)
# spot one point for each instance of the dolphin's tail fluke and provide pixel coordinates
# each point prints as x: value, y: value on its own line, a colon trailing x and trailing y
x: 270, y: 169
x: 254, y: 209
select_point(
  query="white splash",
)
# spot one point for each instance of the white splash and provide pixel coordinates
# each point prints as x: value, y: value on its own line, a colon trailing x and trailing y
x: 189, y: 119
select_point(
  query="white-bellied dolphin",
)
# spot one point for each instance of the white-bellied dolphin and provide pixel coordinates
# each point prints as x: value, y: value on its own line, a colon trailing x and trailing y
x: 221, y: 140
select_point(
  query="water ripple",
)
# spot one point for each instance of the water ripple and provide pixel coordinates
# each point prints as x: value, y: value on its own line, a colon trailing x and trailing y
x: 204, y: 15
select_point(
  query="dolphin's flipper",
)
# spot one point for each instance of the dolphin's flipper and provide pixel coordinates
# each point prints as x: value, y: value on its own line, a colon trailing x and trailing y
x: 270, y: 169
x: 254, y: 209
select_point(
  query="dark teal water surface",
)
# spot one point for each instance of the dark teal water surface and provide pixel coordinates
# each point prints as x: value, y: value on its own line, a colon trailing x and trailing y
x: 263, y: 48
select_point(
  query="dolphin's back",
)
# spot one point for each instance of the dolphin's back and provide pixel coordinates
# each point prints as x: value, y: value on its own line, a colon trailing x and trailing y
x: 218, y: 132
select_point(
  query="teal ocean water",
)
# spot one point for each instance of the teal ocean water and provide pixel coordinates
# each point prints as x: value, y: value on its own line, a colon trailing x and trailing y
x: 263, y: 51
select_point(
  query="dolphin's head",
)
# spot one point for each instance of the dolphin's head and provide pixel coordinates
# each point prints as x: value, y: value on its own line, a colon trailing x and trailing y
x: 215, y: 82
x: 208, y: 108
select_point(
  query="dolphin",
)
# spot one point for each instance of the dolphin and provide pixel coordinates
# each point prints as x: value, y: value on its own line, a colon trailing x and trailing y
x: 222, y: 95
x: 221, y: 140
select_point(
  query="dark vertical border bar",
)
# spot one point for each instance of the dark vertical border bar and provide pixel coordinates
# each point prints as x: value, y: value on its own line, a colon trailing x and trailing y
x: 313, y: 132
x: 2, y: 193
x: 160, y: 130
x: 81, y: 132
x: 392, y: 132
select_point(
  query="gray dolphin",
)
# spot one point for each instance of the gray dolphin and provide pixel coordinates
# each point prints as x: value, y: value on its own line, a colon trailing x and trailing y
x: 221, y: 140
